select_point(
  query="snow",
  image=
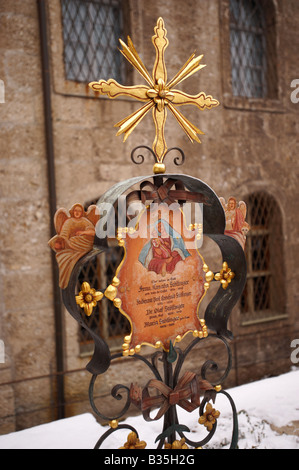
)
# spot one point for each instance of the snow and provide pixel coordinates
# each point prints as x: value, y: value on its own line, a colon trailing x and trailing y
x: 260, y: 405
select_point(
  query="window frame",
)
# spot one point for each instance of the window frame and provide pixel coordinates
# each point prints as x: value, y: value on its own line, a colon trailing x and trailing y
x: 81, y: 38
x: 255, y: 32
x: 61, y: 85
x: 253, y: 316
x: 230, y: 101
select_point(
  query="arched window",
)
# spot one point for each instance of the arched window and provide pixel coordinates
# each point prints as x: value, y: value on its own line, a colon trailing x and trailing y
x: 253, y: 48
x: 263, y: 298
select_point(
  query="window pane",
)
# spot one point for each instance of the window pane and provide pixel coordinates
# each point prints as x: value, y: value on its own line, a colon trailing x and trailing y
x: 91, y: 30
x: 260, y: 253
x: 248, y: 48
x: 261, y: 293
x: 263, y: 296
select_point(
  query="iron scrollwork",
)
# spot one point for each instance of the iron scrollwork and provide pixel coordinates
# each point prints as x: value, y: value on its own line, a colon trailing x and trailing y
x: 172, y: 388
x: 170, y: 378
x: 138, y: 158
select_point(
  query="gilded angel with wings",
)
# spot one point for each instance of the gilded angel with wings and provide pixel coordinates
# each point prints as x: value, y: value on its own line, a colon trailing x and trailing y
x: 235, y: 215
x: 75, y: 236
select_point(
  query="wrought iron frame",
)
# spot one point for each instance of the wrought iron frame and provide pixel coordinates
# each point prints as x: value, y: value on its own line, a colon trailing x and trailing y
x: 216, y: 315
x: 171, y: 425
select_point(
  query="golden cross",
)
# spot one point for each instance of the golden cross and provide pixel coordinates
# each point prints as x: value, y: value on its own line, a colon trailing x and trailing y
x: 158, y: 95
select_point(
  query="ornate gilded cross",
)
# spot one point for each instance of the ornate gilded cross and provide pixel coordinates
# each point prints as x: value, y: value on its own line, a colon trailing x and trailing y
x: 158, y: 94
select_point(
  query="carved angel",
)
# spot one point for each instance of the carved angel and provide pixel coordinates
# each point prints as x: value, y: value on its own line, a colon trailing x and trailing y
x: 75, y: 235
x: 235, y: 215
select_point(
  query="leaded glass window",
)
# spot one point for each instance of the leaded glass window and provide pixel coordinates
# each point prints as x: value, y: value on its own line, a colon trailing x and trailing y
x: 253, y: 49
x: 263, y: 297
x: 91, y: 29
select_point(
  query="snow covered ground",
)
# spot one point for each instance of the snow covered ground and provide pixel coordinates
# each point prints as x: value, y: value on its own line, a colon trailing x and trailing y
x: 268, y: 414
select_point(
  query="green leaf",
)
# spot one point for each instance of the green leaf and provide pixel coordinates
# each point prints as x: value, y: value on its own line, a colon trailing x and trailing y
x: 171, y: 429
x: 172, y: 354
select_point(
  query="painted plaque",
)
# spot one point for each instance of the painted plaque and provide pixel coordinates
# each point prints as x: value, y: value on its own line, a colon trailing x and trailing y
x: 161, y: 279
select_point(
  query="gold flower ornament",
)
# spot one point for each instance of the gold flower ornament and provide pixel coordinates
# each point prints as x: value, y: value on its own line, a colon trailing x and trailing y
x: 225, y: 276
x: 208, y: 419
x: 88, y: 298
x: 133, y: 442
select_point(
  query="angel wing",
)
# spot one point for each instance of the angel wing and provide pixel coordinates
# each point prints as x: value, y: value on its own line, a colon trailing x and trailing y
x: 243, y: 208
x: 61, y: 215
x: 92, y: 214
x: 223, y: 203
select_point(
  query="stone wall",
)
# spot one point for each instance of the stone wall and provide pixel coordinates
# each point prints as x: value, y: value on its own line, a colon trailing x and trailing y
x: 27, y: 297
x: 243, y: 150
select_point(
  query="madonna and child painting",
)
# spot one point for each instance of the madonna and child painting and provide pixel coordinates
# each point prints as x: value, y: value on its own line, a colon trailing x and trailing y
x: 164, y: 249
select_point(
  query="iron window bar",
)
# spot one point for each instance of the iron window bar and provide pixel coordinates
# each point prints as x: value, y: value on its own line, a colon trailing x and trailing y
x: 263, y: 297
